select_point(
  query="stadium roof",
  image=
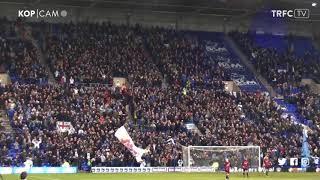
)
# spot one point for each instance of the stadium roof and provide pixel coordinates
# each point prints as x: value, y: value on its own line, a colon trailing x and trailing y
x: 207, y: 7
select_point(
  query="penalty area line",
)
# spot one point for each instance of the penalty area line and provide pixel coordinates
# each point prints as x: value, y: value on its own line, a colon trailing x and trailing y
x: 42, y: 178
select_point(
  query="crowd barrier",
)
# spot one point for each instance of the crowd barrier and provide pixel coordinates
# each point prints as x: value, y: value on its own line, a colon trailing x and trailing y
x: 149, y: 169
x: 160, y: 169
x: 102, y: 170
x: 97, y: 170
x: 39, y: 170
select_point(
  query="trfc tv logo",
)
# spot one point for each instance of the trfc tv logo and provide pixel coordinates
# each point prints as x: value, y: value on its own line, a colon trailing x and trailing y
x: 296, y: 13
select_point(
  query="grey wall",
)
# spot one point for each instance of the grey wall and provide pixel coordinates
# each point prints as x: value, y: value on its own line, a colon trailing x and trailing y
x: 190, y: 21
x: 294, y: 26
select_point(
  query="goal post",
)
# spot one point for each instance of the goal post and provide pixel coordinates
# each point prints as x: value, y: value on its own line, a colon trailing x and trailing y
x: 214, y: 156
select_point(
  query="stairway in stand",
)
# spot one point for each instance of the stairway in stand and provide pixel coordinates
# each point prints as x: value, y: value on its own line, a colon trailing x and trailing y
x: 5, y: 123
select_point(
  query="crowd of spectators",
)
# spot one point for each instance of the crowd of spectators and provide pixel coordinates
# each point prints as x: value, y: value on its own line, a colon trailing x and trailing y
x: 222, y: 119
x: 19, y: 56
x: 96, y: 112
x: 182, y: 58
x: 94, y: 53
x: 34, y: 111
x: 308, y: 104
x: 283, y: 70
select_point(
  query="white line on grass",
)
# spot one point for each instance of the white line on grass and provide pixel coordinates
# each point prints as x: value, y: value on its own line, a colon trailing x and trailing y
x: 41, y: 178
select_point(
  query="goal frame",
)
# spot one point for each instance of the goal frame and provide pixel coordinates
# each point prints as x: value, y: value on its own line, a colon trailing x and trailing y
x: 245, y: 147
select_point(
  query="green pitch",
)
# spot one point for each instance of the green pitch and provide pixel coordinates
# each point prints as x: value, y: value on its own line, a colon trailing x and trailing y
x: 167, y: 176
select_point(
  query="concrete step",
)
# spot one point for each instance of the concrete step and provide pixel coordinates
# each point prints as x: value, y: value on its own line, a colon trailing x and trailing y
x: 42, y: 58
x: 7, y: 126
x: 5, y: 120
x: 7, y: 131
x: 5, y: 123
x: 3, y: 115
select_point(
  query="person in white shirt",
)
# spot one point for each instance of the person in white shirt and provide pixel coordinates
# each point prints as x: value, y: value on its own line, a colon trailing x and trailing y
x: 12, y: 104
x: 88, y: 156
x: 71, y: 81
x: 143, y: 163
x: 56, y: 73
x: 36, y: 143
x: 80, y: 131
x: 65, y: 164
x: 103, y: 158
x: 28, y: 164
x: 76, y: 155
x: 71, y: 130
x: 75, y: 91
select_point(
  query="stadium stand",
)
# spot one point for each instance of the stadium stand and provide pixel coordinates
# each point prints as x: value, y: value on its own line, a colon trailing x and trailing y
x: 86, y: 53
x: 19, y: 57
x: 284, y: 69
x: 91, y: 53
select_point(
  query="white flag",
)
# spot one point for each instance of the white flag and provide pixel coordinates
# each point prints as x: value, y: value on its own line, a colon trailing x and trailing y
x: 125, y: 139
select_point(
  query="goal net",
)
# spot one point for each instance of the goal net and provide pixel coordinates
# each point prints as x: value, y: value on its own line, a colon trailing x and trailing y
x: 214, y: 156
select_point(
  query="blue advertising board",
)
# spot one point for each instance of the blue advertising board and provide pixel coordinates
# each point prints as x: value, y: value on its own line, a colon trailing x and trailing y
x: 38, y: 170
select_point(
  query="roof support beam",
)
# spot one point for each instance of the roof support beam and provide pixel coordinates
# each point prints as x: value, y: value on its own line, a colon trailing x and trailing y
x: 94, y: 2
